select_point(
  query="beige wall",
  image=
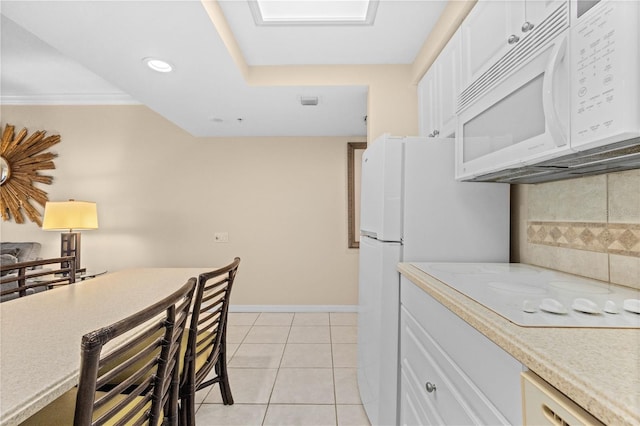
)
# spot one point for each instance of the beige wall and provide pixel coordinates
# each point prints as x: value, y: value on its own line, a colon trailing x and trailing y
x: 162, y: 194
x: 588, y: 226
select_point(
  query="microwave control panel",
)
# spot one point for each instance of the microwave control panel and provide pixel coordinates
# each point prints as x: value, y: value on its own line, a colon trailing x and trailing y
x: 605, y: 66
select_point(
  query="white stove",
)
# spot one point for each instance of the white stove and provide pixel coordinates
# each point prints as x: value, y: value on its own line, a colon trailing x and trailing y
x: 531, y: 296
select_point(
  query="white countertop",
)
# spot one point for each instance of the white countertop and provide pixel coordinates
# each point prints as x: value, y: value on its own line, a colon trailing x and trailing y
x: 41, y: 334
x: 599, y: 369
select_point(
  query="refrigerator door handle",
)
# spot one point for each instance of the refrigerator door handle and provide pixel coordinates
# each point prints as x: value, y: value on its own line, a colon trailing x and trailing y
x: 369, y: 234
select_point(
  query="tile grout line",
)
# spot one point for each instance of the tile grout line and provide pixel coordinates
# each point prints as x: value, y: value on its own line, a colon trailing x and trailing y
x: 277, y: 372
x: 280, y: 366
x: 333, y: 373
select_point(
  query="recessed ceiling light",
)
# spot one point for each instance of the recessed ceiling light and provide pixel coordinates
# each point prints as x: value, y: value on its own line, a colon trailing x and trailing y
x: 158, y: 64
x: 313, y: 12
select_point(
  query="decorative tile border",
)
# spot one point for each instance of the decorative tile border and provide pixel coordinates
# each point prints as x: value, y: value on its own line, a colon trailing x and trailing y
x: 614, y: 238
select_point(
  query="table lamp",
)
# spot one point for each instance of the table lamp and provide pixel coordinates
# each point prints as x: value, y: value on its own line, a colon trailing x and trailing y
x: 71, y: 215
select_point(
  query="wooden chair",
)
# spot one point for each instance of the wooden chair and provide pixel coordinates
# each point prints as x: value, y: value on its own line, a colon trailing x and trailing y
x: 206, y: 345
x: 154, y: 400
x: 25, y: 278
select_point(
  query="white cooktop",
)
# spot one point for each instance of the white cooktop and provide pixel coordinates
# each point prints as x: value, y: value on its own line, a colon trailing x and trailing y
x: 531, y: 296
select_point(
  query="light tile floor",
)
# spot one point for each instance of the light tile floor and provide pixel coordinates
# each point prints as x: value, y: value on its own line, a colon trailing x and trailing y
x: 288, y: 369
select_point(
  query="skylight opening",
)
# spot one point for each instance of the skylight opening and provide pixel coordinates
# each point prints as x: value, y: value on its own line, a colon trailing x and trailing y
x: 313, y: 12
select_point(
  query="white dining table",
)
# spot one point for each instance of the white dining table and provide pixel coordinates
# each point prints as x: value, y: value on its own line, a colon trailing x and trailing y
x: 40, y: 334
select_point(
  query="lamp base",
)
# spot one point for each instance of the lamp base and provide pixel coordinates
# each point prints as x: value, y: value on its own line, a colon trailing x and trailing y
x: 70, y: 246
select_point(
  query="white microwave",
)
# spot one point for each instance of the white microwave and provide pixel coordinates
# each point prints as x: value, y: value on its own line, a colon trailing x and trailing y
x: 565, y: 101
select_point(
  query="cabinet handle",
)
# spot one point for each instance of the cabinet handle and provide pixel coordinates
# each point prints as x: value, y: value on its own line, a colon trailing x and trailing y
x: 436, y: 132
x: 430, y: 387
x: 513, y: 39
x: 527, y: 26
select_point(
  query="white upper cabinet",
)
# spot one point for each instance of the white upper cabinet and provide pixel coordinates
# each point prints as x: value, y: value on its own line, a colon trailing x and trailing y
x: 438, y: 92
x: 492, y: 28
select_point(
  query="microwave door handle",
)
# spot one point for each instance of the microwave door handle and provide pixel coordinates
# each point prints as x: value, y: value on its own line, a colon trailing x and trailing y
x: 548, y: 105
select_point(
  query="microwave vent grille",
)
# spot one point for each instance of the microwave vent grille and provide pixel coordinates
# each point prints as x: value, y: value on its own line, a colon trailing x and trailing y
x: 618, y: 157
x: 515, y: 175
x: 518, y: 56
x: 624, y: 151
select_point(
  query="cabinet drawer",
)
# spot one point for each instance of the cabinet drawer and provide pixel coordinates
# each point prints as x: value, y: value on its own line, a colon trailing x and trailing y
x: 455, y: 400
x: 487, y: 366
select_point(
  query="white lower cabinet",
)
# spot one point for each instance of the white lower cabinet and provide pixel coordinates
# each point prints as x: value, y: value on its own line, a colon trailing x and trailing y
x: 451, y: 374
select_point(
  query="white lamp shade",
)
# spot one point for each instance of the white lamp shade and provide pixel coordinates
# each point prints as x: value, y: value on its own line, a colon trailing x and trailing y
x: 70, y: 215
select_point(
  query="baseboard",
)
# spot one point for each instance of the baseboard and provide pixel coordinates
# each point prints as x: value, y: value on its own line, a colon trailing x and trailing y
x: 293, y: 308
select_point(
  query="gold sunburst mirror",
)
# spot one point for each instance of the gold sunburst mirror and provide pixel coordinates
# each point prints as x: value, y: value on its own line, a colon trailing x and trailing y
x: 22, y: 157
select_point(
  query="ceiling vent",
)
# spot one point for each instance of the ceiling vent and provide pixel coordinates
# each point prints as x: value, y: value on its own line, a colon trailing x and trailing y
x: 309, y: 100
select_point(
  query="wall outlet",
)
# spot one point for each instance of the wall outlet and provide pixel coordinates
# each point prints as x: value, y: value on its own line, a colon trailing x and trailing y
x: 221, y: 237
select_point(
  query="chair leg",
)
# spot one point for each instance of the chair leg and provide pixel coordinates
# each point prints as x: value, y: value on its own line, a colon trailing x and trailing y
x: 187, y: 410
x: 225, y: 389
x: 186, y: 406
x: 182, y: 414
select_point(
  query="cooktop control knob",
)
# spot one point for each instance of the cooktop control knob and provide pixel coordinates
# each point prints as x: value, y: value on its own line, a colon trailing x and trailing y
x: 553, y: 306
x: 610, y: 307
x: 585, y: 305
x: 529, y: 307
x: 631, y: 305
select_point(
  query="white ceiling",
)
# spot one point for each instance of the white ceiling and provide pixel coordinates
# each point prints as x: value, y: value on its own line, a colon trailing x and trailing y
x: 90, y: 52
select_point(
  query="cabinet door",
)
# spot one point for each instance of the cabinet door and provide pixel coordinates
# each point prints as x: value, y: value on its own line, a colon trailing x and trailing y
x: 448, y: 68
x: 485, y: 35
x: 428, y: 90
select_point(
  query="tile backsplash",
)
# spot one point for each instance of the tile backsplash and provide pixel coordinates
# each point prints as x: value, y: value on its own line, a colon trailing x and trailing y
x: 586, y: 226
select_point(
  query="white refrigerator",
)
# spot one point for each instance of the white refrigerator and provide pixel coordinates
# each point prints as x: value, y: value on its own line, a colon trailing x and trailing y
x: 413, y: 210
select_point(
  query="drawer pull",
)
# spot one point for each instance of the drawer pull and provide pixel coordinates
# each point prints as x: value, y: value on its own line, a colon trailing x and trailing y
x: 430, y: 387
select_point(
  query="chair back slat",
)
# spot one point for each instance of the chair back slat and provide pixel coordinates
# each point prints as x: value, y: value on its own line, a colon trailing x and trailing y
x: 210, y: 317
x: 149, y: 401
x: 214, y: 295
